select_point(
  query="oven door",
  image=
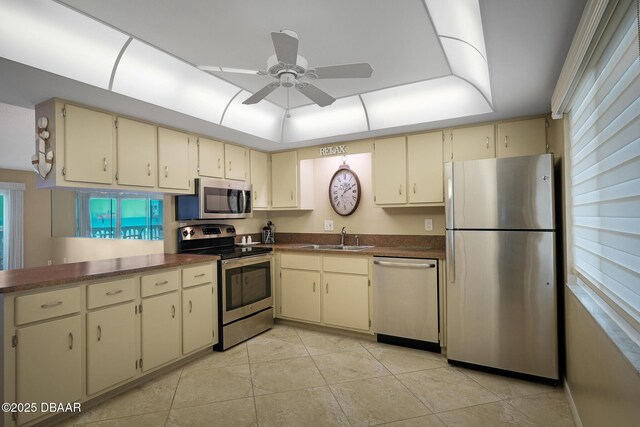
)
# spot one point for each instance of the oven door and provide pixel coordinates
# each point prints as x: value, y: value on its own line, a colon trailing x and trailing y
x: 246, y: 286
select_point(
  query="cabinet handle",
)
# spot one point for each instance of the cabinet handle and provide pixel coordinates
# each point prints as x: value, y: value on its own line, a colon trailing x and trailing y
x: 164, y: 282
x: 505, y: 142
x: 198, y: 275
x: 112, y: 293
x: 219, y: 163
x: 51, y: 304
x: 326, y: 287
x: 487, y: 142
x: 99, y: 332
x: 166, y: 171
x: 229, y: 165
x: 400, y: 190
x: 414, y: 188
x: 148, y: 169
x: 104, y: 164
x: 292, y: 195
x: 314, y: 287
x: 190, y: 306
x: 70, y: 341
x: 173, y: 311
x: 452, y: 155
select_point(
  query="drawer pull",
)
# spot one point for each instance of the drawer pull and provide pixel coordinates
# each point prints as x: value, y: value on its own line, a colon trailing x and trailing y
x: 190, y: 306
x: 99, y: 332
x: 51, y: 304
x: 70, y: 341
x: 173, y: 311
x: 198, y: 275
x: 164, y: 282
x: 116, y: 292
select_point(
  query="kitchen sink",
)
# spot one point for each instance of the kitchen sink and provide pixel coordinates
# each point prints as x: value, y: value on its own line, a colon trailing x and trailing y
x: 336, y: 247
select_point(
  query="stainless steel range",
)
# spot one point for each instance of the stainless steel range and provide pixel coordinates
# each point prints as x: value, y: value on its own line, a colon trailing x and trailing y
x: 245, y: 302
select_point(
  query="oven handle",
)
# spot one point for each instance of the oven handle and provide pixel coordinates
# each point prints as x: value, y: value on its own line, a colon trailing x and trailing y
x: 246, y: 260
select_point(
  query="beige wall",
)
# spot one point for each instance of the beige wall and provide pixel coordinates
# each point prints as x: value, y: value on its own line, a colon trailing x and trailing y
x: 368, y: 218
x: 37, y: 217
x: 78, y: 249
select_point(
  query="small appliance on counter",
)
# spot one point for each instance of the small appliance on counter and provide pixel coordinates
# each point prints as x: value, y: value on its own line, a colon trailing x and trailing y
x: 268, y: 233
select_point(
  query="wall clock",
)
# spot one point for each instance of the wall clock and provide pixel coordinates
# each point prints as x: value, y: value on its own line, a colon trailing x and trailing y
x: 344, y: 191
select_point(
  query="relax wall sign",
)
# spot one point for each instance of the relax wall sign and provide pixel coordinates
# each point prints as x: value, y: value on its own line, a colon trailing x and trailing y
x: 330, y: 151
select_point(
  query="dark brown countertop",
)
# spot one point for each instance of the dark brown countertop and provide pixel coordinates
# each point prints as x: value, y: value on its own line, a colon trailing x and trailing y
x: 398, y: 251
x: 41, y: 277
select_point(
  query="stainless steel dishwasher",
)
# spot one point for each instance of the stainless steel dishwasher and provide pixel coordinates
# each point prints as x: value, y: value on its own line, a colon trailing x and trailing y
x: 405, y: 301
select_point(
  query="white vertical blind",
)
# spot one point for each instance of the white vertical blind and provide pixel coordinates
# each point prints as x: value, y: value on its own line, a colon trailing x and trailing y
x: 13, y: 193
x: 604, y: 162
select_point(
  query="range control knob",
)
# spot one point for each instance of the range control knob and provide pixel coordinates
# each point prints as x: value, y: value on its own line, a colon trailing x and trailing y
x: 185, y: 233
x: 192, y: 232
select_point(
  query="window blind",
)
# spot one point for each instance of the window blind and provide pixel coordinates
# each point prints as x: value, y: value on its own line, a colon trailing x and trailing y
x: 604, y: 166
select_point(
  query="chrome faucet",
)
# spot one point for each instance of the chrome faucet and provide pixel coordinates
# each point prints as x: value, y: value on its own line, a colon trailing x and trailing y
x: 342, y: 234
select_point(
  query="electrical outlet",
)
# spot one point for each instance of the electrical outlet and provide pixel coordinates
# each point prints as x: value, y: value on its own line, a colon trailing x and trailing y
x: 49, y: 262
x: 428, y: 224
x: 64, y: 260
x: 328, y: 225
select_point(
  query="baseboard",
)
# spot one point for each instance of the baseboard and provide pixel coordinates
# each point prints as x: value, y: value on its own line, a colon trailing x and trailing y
x: 572, y: 404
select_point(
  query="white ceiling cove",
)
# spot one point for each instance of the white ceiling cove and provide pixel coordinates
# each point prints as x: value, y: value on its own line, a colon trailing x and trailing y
x: 435, y: 63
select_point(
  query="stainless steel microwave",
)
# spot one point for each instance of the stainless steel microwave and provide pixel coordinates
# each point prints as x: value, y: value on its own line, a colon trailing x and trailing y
x: 215, y: 199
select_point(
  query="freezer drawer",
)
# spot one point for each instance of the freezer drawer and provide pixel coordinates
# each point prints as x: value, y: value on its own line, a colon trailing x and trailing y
x: 502, y: 301
x: 405, y: 298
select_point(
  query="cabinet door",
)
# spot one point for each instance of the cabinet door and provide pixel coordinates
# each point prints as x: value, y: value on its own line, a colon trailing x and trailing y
x: 49, y: 363
x: 160, y: 330
x: 197, y: 318
x: 522, y: 138
x: 111, y: 344
x: 346, y: 300
x: 284, y: 179
x: 210, y: 158
x: 259, y: 179
x: 300, y: 297
x: 173, y: 159
x: 390, y: 171
x: 425, y: 168
x: 473, y: 143
x: 137, y: 149
x: 235, y: 162
x: 88, y: 145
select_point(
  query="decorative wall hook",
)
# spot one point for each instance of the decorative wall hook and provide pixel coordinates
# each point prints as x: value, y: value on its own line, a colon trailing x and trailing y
x: 42, y: 161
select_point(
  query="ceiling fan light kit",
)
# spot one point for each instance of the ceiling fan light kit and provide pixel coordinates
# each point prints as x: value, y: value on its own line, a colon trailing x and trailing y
x: 288, y: 68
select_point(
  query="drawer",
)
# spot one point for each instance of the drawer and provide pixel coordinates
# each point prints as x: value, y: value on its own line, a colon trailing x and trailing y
x: 199, y: 275
x: 113, y: 292
x: 46, y: 305
x: 300, y: 262
x: 159, y: 283
x: 346, y: 264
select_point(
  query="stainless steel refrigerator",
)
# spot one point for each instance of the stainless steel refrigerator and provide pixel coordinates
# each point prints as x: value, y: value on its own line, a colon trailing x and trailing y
x: 501, y: 280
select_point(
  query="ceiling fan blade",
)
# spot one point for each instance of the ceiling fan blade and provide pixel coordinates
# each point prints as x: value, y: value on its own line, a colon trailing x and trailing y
x: 316, y: 95
x: 261, y: 94
x: 345, y: 71
x: 286, y: 47
x: 230, y: 70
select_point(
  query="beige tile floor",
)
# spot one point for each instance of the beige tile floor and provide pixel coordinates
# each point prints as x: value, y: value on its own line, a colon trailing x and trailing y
x: 292, y: 376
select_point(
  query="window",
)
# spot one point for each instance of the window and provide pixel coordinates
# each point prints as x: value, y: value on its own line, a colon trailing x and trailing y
x: 119, y: 216
x: 11, y: 225
x: 604, y: 168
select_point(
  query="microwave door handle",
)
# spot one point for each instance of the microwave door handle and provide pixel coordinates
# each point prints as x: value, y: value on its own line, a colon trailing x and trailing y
x: 244, y: 201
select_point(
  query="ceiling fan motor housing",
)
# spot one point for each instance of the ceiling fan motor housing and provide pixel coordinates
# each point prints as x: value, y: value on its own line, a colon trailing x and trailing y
x: 287, y: 79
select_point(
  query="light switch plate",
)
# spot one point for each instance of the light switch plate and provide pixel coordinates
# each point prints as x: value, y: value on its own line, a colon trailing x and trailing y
x: 428, y: 224
x: 328, y: 225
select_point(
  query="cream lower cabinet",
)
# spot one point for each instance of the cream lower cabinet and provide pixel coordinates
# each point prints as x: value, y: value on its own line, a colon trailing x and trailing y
x: 300, y: 295
x: 111, y: 346
x: 49, y: 363
x: 160, y: 329
x: 197, y: 318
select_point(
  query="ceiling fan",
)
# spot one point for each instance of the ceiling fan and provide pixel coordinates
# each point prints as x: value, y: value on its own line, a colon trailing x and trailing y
x: 289, y: 69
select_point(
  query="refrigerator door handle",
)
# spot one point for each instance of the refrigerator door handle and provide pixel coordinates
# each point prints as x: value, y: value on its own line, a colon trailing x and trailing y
x: 451, y: 256
x: 448, y: 197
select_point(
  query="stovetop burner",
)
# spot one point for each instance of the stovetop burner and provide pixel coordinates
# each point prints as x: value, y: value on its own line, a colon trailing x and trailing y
x: 214, y: 239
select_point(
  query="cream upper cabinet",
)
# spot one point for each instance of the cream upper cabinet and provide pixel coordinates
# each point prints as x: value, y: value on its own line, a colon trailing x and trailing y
x: 300, y: 297
x: 88, y: 137
x: 136, y: 153
x: 390, y: 171
x: 235, y: 162
x: 425, y: 168
x: 160, y: 330
x: 210, y: 158
x: 197, y: 318
x: 284, y: 179
x: 522, y: 138
x: 173, y: 159
x: 111, y: 346
x: 471, y: 143
x: 260, y: 179
x: 49, y: 363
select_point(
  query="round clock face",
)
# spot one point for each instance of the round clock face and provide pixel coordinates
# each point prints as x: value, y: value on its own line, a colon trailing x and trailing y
x: 344, y: 191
